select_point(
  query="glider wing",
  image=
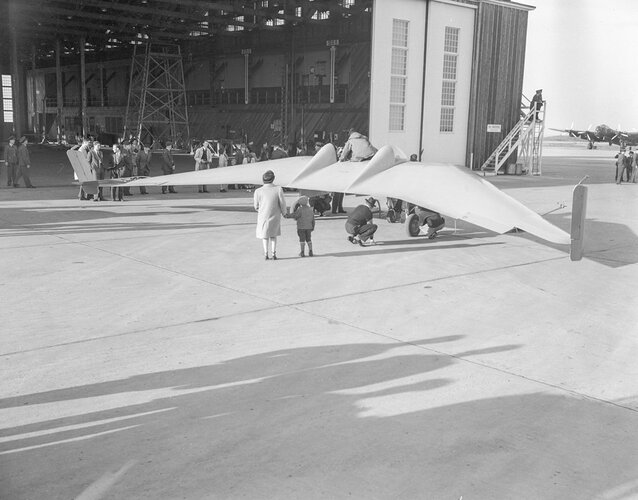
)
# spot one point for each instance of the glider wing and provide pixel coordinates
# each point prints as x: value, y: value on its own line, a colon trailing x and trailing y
x: 451, y: 190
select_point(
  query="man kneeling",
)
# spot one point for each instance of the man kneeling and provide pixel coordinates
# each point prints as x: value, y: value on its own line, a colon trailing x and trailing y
x: 359, y: 224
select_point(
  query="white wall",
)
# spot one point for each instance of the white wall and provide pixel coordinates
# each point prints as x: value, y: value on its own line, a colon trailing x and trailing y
x: 384, y: 11
x: 447, y: 147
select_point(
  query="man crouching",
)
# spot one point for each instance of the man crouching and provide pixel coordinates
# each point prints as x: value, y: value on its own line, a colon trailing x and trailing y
x: 359, y: 224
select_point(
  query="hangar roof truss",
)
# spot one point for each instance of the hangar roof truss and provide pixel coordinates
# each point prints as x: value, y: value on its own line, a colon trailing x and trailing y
x: 117, y: 24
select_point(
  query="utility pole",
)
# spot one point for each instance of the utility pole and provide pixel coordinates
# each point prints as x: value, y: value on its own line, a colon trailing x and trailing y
x: 246, y: 53
x: 333, y: 55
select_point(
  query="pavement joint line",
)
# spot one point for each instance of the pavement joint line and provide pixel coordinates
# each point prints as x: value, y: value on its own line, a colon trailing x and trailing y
x: 294, y: 305
x: 297, y: 304
x: 432, y: 280
x: 179, y: 273
x: 483, y: 365
x: 136, y: 332
x: 68, y: 242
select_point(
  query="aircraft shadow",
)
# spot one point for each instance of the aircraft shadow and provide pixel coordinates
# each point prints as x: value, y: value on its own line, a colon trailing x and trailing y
x: 221, y: 208
x: 248, y: 424
x: 69, y: 220
x: 410, y: 246
x: 608, y: 243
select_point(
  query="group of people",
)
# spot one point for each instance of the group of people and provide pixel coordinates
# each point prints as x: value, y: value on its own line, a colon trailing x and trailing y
x: 270, y: 204
x: 128, y: 158
x: 17, y: 162
x: 204, y: 155
x: 626, y: 166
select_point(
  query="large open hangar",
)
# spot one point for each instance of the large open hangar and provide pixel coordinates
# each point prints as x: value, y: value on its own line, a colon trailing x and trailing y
x: 148, y: 351
x: 427, y: 76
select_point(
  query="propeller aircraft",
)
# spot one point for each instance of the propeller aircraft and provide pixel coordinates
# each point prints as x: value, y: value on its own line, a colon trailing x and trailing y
x: 603, y: 133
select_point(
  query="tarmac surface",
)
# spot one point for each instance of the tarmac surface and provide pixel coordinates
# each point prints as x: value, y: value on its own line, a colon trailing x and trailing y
x: 149, y: 352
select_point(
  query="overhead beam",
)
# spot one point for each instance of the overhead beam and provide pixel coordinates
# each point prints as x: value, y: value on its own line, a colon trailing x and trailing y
x: 122, y: 37
x: 83, y: 15
x: 149, y: 13
x: 234, y: 10
x: 118, y: 31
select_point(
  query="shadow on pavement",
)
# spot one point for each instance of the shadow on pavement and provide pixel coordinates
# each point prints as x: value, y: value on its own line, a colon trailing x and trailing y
x: 608, y: 243
x: 322, y: 421
x: 410, y: 246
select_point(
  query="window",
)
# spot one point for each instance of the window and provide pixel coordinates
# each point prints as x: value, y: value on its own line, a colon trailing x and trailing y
x: 447, y: 95
x: 7, y: 99
x: 398, y: 74
x: 448, y: 85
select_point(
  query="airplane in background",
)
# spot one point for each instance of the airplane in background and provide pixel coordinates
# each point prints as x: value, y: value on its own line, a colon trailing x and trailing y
x: 603, y: 133
x: 448, y: 189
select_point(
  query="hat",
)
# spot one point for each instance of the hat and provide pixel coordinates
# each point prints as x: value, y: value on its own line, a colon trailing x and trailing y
x: 268, y: 176
x: 12, y: 138
x: 22, y: 139
x: 539, y: 90
x: 371, y: 201
x: 303, y: 200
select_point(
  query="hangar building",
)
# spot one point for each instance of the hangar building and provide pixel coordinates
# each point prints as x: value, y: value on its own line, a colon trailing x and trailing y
x: 425, y: 75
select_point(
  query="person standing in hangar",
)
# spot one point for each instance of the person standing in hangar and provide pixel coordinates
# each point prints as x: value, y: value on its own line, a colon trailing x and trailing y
x: 270, y: 204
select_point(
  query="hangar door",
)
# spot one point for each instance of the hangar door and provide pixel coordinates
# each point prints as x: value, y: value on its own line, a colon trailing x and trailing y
x: 396, y: 83
x: 448, y: 73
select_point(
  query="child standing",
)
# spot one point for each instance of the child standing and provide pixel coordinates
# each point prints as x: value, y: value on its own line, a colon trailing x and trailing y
x: 305, y: 217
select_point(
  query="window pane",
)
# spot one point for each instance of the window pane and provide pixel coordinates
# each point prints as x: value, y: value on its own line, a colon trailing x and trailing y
x: 451, y: 39
x: 6, y: 80
x: 6, y: 92
x: 396, y: 117
x: 399, y: 61
x: 7, y: 104
x: 397, y: 90
x: 447, y: 93
x: 447, y: 120
x: 8, y: 117
x: 449, y: 66
x: 399, y: 33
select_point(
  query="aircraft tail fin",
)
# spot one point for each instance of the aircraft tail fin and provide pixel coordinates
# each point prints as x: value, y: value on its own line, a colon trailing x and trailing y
x: 82, y: 170
x: 579, y: 209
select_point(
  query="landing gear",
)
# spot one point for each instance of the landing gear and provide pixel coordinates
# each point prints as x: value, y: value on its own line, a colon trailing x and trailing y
x: 414, y: 217
x: 590, y: 145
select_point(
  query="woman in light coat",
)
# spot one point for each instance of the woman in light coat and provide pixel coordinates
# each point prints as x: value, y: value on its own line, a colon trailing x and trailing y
x: 270, y: 204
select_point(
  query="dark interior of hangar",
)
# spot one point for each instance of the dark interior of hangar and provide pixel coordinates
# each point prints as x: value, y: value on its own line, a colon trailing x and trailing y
x: 275, y: 71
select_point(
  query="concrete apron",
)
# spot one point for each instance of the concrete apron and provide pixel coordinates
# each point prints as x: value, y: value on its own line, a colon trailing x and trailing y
x: 150, y: 352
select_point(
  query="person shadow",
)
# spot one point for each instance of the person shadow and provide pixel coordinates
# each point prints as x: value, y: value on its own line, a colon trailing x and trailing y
x: 374, y: 420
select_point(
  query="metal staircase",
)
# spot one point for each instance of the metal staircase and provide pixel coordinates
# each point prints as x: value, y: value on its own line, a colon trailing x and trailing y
x: 527, y: 138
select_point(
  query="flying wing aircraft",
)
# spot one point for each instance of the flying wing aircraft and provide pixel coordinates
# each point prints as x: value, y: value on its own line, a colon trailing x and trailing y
x: 603, y: 133
x: 451, y: 190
